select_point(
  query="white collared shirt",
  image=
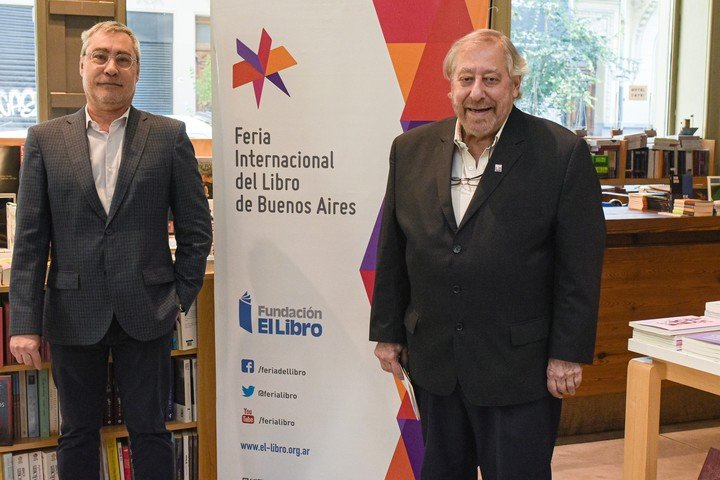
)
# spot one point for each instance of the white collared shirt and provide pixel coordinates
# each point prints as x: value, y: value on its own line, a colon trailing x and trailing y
x: 464, y: 166
x: 105, y: 155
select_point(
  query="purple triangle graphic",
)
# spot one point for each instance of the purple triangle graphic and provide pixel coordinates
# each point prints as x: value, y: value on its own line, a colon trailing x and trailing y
x: 370, y: 259
x: 412, y: 436
x: 275, y: 78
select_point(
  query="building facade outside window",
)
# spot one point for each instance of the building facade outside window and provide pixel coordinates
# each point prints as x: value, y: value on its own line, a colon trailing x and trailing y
x: 596, y: 64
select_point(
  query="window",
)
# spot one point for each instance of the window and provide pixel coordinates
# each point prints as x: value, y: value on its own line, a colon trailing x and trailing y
x: 154, y: 91
x: 18, y: 90
x: 599, y: 65
x: 203, y: 70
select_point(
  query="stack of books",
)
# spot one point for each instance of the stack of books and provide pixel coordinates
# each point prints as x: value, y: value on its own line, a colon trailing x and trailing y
x: 670, y: 332
x: 647, y: 201
x: 692, y: 207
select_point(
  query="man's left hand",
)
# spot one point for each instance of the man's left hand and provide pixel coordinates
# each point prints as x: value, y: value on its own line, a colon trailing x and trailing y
x: 563, y: 378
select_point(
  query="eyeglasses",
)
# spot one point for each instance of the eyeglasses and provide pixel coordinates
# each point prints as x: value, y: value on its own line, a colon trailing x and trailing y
x: 101, y: 57
x: 472, y: 181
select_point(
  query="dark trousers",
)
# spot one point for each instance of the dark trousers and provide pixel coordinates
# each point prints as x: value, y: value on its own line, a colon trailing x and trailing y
x: 142, y: 371
x: 512, y: 442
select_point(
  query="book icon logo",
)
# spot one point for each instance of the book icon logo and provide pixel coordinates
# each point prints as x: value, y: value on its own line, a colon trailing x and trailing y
x: 247, y: 365
x: 248, y: 391
x: 245, y: 307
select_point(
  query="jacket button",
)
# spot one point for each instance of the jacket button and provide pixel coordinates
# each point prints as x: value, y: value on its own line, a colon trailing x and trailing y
x: 457, y: 249
x: 108, y: 231
x: 456, y: 288
x: 459, y: 326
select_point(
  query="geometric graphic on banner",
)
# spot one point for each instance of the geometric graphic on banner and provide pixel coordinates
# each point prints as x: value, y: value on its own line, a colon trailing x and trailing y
x: 256, y: 67
x: 418, y: 35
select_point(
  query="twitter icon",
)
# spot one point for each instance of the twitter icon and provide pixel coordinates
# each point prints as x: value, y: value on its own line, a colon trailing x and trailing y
x: 248, y: 391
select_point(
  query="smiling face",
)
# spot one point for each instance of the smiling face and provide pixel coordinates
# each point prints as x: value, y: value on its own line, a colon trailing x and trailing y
x: 482, y: 91
x: 108, y: 88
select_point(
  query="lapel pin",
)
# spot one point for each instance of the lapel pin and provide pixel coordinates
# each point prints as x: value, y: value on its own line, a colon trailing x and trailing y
x: 498, y: 168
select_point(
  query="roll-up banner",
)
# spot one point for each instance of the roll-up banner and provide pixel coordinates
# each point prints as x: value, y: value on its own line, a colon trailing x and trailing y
x: 308, y: 97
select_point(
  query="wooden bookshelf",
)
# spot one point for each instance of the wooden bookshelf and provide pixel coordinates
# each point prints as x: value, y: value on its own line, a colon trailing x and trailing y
x: 708, y: 145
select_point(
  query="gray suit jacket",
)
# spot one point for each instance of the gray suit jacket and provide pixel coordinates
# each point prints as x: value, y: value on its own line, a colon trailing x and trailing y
x: 487, y: 302
x: 107, y: 264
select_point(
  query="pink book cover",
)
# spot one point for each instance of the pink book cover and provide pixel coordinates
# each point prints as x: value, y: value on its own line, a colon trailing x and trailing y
x: 709, y: 337
x: 686, y: 322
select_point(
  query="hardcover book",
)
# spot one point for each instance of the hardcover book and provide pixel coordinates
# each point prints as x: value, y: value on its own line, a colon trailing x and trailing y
x: 33, y: 413
x: 6, y: 410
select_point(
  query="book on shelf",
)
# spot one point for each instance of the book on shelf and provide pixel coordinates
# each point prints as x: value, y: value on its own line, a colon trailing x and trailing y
x: 705, y: 344
x: 35, y: 465
x: 112, y: 459
x: 183, y: 390
x: 33, y: 412
x: 186, y: 325
x: 50, y: 468
x: 44, y: 402
x: 23, y: 404
x: 635, y: 140
x: 21, y: 466
x: 6, y: 410
x: 712, y: 309
x: 7, y: 466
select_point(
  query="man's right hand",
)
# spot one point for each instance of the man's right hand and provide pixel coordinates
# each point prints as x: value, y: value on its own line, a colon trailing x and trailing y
x: 26, y: 350
x: 392, y: 356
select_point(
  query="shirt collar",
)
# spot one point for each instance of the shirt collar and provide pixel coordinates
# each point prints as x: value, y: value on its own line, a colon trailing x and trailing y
x: 90, y: 123
x: 459, y: 140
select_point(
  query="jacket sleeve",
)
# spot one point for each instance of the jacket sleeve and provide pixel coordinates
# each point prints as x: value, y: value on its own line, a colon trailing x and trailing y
x: 579, y: 248
x: 32, y: 243
x: 191, y: 214
x: 391, y: 292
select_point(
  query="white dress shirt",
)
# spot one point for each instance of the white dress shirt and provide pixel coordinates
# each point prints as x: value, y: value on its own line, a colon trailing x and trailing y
x: 464, y: 166
x: 105, y: 155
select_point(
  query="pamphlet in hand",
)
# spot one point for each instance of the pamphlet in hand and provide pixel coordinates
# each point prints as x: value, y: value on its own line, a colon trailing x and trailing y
x: 411, y: 392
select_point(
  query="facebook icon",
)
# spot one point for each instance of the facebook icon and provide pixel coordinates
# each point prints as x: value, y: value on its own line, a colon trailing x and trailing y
x: 247, y: 365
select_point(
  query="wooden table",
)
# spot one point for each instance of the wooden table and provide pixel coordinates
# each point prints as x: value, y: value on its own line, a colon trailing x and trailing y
x: 642, y: 408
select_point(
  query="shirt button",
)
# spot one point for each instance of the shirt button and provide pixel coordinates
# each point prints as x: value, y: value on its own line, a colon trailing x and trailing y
x: 456, y: 288
x: 457, y: 248
x: 459, y: 326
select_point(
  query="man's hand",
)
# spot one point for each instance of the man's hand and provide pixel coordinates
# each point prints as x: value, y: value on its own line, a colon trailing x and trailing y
x: 563, y: 378
x: 26, y: 350
x: 391, y: 356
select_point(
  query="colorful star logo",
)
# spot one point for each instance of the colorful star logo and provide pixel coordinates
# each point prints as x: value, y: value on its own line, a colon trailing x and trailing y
x: 266, y: 63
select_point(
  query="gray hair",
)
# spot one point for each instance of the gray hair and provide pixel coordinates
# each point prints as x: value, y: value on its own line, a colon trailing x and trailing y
x: 516, y: 64
x: 111, y: 26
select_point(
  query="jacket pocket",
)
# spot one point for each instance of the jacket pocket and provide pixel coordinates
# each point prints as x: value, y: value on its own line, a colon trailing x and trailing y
x: 411, y: 320
x: 64, y: 280
x: 529, y: 332
x: 158, y: 276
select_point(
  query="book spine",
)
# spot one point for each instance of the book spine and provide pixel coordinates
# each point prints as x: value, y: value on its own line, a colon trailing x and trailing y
x: 50, y: 465
x: 44, y: 402
x: 186, y: 456
x: 6, y: 410
x: 112, y: 459
x: 121, y: 467
x: 23, y: 404
x: 20, y: 466
x: 33, y: 414
x: 53, y: 406
x: 35, y: 465
x: 7, y: 467
x: 127, y: 464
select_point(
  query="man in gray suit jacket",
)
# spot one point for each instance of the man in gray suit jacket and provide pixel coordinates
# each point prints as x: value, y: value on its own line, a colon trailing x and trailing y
x: 488, y: 274
x: 95, y: 190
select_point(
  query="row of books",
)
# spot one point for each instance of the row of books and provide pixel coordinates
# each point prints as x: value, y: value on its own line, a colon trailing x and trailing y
x: 696, y: 335
x: 117, y: 458
x: 29, y: 406
x: 35, y: 465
